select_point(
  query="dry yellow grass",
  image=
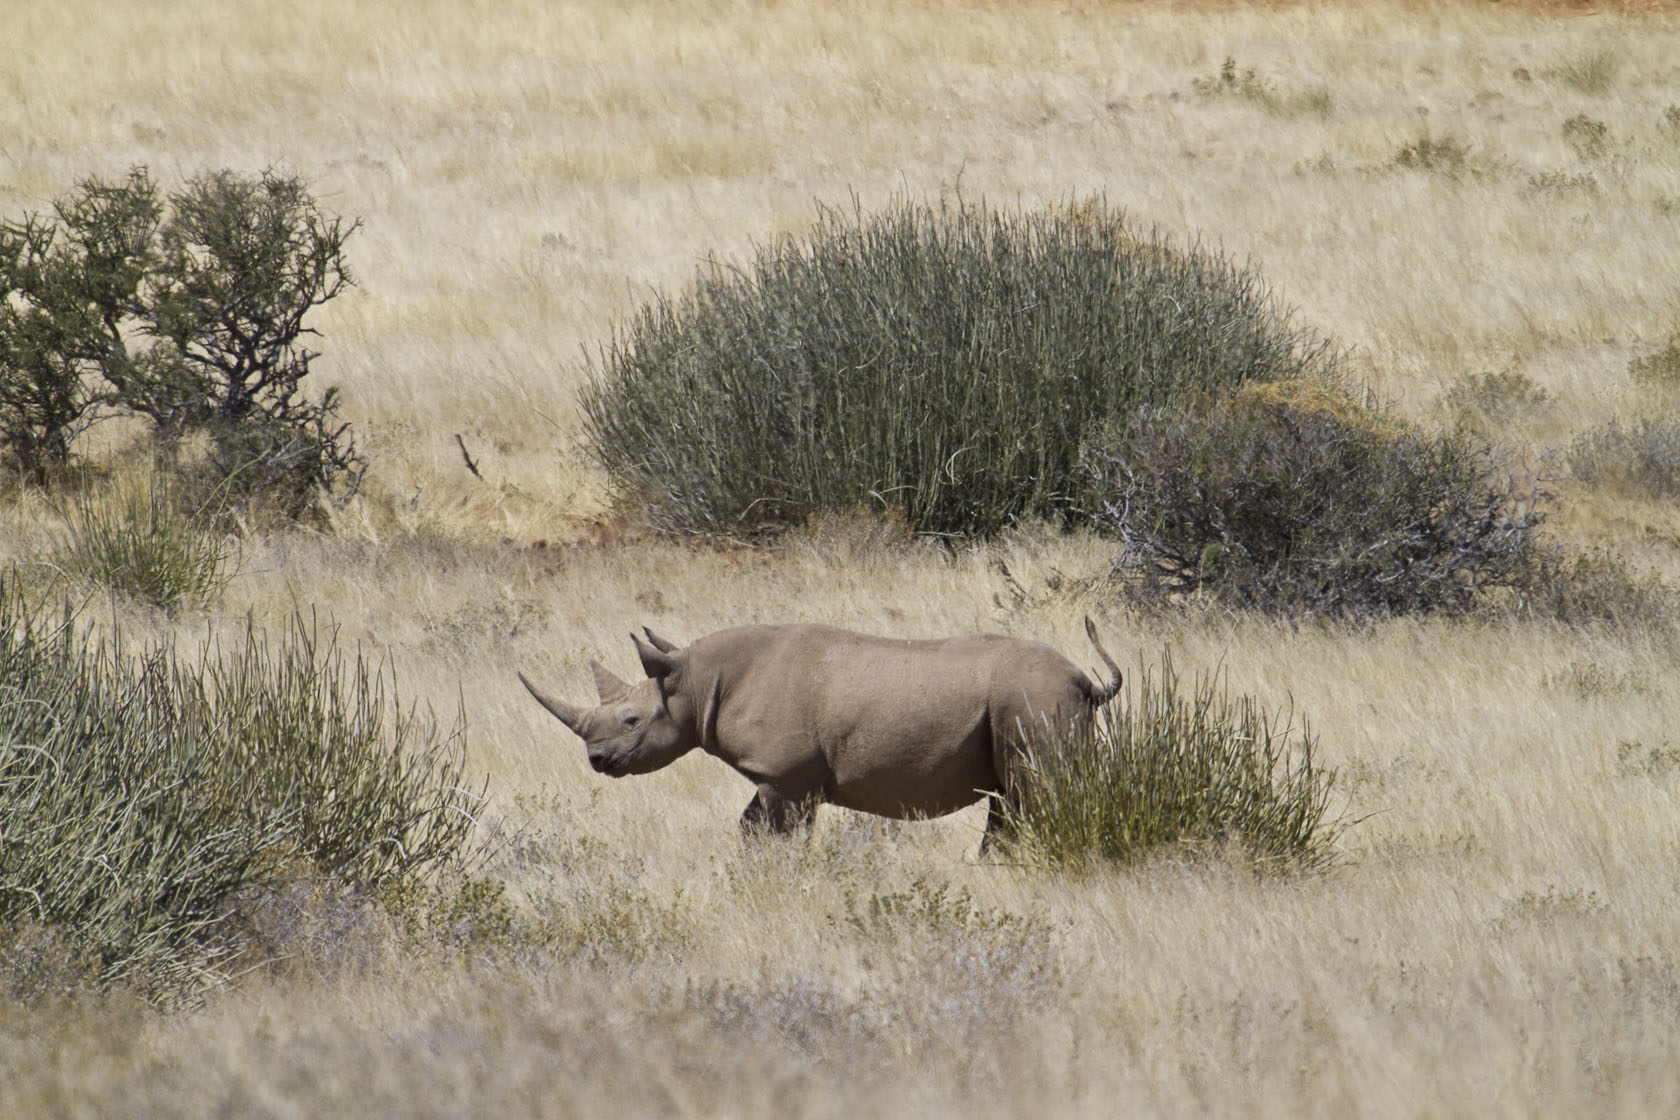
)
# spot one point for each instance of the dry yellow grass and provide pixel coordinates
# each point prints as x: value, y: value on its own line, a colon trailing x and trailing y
x: 1501, y: 938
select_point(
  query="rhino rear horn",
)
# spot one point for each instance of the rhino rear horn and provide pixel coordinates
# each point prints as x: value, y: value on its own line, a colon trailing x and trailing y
x: 607, y: 686
x: 571, y: 716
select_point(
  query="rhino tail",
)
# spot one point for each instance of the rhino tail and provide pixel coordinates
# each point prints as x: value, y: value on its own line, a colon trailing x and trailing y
x: 1101, y: 695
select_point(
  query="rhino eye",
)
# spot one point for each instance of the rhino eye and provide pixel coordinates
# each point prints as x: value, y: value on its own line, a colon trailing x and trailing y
x: 632, y: 720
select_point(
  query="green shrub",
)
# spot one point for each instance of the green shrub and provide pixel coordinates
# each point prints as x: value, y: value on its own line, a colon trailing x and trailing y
x: 1590, y: 138
x: 190, y: 311
x: 1170, y: 765
x: 1282, y: 500
x: 1445, y: 154
x: 1642, y: 459
x: 145, y: 797
x: 1496, y: 397
x: 1660, y: 369
x: 65, y: 286
x: 946, y: 363
x: 1251, y: 87
x: 1594, y: 586
x: 144, y: 543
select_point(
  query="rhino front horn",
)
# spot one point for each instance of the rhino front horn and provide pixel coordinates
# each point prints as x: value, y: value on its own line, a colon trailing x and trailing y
x: 559, y: 709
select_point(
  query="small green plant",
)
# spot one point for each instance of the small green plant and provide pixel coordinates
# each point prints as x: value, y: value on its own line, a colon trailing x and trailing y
x: 146, y: 798
x: 144, y: 543
x: 1564, y: 183
x: 926, y: 906
x: 1172, y: 765
x: 944, y: 363
x: 1249, y: 86
x: 1589, y: 138
x: 1660, y: 369
x: 189, y: 310
x: 1590, y: 72
x: 1642, y: 459
x: 1446, y: 155
x: 1635, y: 759
x: 1496, y: 397
x: 1288, y: 500
x: 1671, y: 121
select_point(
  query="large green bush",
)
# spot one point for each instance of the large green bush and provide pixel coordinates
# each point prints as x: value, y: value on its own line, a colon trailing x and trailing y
x: 1170, y: 765
x: 943, y: 362
x: 188, y: 309
x: 145, y: 797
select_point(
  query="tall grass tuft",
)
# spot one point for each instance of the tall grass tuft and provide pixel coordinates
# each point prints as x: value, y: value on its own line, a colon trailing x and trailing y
x: 145, y: 543
x: 1172, y: 765
x: 1588, y: 71
x: 944, y: 362
x: 146, y: 797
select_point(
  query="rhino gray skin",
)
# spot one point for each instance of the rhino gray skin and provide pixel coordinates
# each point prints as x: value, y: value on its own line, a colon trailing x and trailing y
x: 813, y: 714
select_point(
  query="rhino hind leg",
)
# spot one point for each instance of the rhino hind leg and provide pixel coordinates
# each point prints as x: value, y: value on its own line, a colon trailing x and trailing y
x: 769, y: 813
x: 998, y: 831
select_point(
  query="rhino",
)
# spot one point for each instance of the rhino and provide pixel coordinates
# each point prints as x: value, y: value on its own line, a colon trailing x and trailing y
x: 812, y: 714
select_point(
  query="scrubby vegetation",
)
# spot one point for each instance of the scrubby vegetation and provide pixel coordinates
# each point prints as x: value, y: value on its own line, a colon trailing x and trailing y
x: 146, y: 797
x: 1642, y: 458
x: 1291, y: 500
x: 1249, y: 86
x: 1659, y: 369
x: 1493, y: 938
x: 945, y: 362
x: 187, y: 310
x: 1495, y: 397
x: 1173, y: 765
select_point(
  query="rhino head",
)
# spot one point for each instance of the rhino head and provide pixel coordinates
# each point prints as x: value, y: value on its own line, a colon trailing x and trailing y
x: 635, y: 729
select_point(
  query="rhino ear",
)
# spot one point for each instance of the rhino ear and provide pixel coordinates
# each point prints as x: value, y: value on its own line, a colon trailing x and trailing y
x: 607, y: 686
x: 659, y: 643
x: 658, y: 663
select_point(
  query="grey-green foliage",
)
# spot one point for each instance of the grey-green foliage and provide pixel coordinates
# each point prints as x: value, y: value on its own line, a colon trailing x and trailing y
x: 145, y: 796
x: 1171, y: 764
x: 188, y: 309
x: 946, y: 362
x: 1283, y: 506
x: 1642, y: 458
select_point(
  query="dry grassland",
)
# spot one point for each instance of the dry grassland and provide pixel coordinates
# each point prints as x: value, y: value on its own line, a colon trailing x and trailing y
x: 1502, y: 937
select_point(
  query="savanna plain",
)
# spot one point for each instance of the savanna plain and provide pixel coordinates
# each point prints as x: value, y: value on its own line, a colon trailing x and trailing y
x: 1499, y: 934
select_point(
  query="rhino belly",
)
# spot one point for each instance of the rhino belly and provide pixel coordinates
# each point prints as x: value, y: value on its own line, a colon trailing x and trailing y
x: 917, y: 779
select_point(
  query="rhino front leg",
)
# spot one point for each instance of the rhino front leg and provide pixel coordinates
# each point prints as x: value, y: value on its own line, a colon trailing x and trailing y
x: 770, y: 812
